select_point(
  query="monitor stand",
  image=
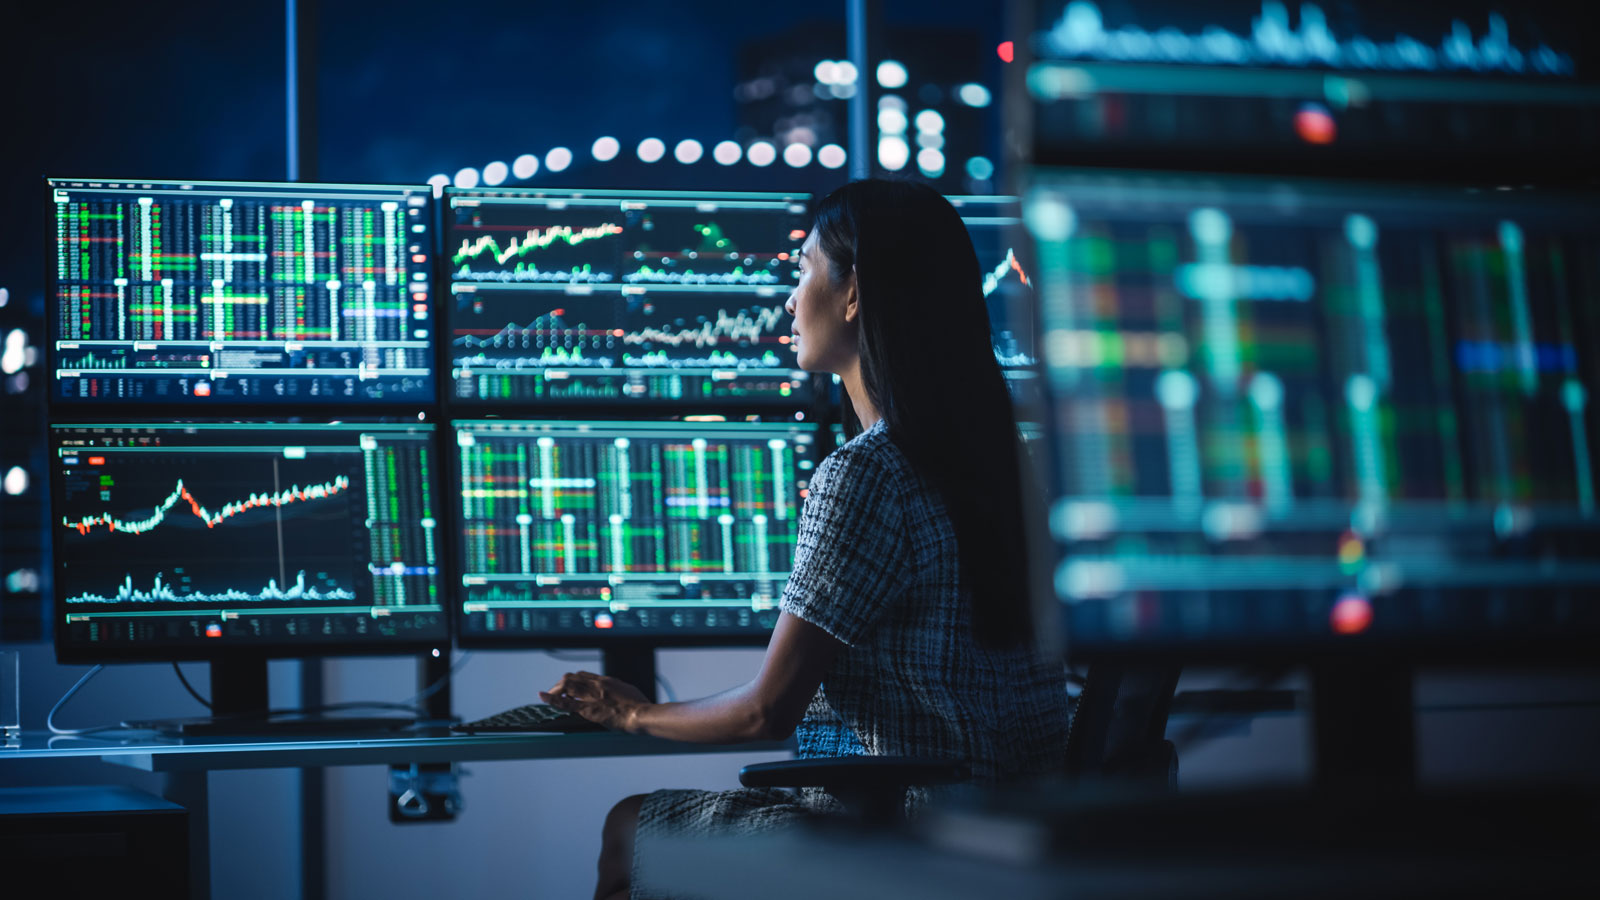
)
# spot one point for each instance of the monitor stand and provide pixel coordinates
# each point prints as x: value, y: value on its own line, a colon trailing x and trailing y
x: 634, y: 664
x: 239, y: 707
x: 1363, y: 725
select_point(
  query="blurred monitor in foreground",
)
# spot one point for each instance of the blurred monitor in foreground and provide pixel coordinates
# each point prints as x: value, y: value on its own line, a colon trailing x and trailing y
x: 1292, y: 414
x: 1413, y: 90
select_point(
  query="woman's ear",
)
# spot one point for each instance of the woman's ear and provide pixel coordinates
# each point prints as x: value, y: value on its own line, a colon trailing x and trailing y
x: 852, y: 298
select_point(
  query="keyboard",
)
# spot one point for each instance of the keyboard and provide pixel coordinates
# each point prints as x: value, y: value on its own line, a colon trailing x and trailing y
x: 533, y: 717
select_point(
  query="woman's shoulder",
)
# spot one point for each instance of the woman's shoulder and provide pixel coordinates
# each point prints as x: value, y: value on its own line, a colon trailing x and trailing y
x: 869, y: 456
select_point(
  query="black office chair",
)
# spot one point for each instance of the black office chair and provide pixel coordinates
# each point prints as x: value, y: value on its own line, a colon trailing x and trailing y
x: 870, y: 788
x: 1119, y: 728
x: 1118, y: 732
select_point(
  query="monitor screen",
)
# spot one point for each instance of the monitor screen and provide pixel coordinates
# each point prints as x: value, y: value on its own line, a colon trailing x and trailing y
x: 179, y: 541
x: 607, y: 296
x: 586, y: 531
x: 1004, y: 256
x: 204, y: 294
x: 1434, y: 90
x: 1292, y: 412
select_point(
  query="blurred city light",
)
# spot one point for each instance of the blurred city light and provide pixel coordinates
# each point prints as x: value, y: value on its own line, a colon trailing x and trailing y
x: 761, y: 153
x: 892, y: 74
x: 15, y: 354
x: 651, y: 150
x: 973, y: 95
x: 688, y: 152
x: 893, y: 153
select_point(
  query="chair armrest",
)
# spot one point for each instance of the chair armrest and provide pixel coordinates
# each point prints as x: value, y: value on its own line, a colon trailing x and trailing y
x: 855, y: 773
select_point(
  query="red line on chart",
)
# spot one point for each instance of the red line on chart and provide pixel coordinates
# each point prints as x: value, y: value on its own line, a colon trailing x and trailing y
x: 294, y: 494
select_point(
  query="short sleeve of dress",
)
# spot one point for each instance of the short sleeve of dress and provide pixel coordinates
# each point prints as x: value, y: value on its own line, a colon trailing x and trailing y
x: 850, y: 557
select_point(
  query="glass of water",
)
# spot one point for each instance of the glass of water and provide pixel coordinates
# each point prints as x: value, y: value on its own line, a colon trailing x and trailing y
x: 10, y: 695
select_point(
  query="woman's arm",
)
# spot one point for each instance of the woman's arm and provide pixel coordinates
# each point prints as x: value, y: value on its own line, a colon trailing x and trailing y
x: 767, y: 708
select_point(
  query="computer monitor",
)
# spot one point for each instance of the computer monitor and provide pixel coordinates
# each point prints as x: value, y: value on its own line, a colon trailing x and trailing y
x: 197, y: 295
x: 1005, y: 258
x: 567, y: 297
x: 627, y: 534
x: 1424, y: 91
x: 1293, y: 417
x: 235, y: 542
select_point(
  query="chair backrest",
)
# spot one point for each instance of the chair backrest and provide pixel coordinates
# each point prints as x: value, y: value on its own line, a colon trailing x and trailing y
x: 1119, y: 728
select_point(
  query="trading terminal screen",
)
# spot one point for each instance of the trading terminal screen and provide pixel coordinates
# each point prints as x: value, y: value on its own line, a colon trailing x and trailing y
x: 1376, y: 85
x: 576, y: 529
x: 198, y: 293
x: 995, y: 225
x: 605, y: 296
x: 174, y: 540
x: 1288, y: 409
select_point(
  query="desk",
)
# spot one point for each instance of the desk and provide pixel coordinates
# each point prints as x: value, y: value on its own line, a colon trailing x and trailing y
x: 185, y: 762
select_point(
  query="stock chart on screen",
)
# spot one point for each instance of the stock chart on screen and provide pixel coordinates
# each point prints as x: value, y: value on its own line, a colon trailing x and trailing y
x: 200, y: 293
x: 605, y: 296
x: 174, y: 537
x: 995, y: 225
x: 1286, y: 408
x: 643, y: 528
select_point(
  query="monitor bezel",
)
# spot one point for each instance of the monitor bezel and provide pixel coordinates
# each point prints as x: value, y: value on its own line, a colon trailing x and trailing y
x: 73, y: 653
x: 232, y: 408
x: 596, y: 639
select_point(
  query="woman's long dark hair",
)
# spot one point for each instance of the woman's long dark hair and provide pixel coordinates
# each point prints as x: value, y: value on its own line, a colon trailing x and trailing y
x: 928, y: 365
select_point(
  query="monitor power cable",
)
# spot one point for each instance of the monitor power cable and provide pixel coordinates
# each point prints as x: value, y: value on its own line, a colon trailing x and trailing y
x: 666, y: 689
x: 50, y: 718
x: 189, y: 687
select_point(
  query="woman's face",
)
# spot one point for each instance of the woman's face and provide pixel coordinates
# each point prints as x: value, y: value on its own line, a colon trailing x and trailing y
x: 825, y: 313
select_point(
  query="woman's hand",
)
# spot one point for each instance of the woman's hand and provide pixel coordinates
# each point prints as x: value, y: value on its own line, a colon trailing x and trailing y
x: 599, y: 698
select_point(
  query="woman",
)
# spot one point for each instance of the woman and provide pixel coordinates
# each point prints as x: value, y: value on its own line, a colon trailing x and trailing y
x: 905, y: 627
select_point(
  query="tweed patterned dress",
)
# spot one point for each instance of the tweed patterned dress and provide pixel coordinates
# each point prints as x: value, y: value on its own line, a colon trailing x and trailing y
x: 876, y: 567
